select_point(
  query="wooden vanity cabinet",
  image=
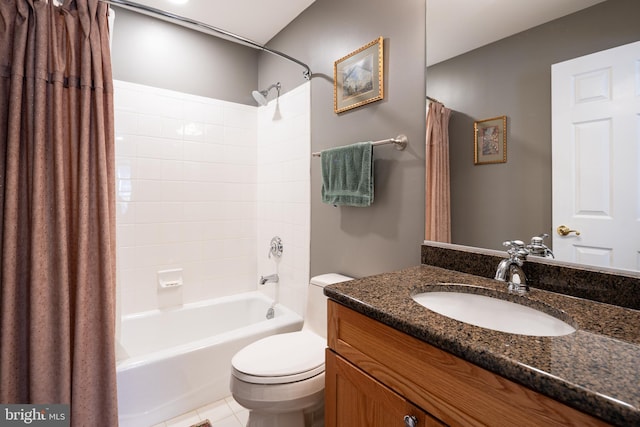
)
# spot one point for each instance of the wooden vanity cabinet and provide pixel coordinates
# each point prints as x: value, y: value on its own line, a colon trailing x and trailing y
x: 377, y: 375
x: 357, y: 399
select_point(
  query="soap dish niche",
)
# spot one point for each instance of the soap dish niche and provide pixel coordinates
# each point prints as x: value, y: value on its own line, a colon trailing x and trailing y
x: 168, y: 279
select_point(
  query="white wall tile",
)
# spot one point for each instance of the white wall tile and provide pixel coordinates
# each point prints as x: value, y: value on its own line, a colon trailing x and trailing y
x: 214, y: 113
x: 239, y: 155
x: 148, y: 168
x: 127, y: 99
x: 149, y: 125
x: 240, y: 136
x: 126, y: 123
x: 125, y: 213
x: 201, y: 190
x: 125, y: 145
x: 194, y: 131
x: 170, y: 191
x: 283, y: 178
x: 172, y: 128
x: 170, y: 107
x: 159, y: 148
x: 148, y: 234
x: 125, y: 235
x: 195, y: 110
x: 239, y: 116
x: 213, y: 132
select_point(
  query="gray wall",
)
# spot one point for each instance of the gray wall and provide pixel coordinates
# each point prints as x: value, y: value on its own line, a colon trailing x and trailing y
x: 157, y: 53
x: 512, y: 77
x: 387, y: 235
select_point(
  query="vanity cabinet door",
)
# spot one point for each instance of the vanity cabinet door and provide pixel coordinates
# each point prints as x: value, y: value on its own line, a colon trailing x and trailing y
x: 353, y: 398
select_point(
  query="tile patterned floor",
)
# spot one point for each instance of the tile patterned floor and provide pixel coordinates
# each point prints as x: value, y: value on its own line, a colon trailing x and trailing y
x: 223, y: 413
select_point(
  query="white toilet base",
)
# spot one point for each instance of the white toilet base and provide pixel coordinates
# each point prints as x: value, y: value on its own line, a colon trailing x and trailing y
x: 299, y: 404
x: 307, y: 418
x: 265, y: 419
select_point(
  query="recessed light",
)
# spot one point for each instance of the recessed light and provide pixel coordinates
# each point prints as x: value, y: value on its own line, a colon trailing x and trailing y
x: 178, y: 1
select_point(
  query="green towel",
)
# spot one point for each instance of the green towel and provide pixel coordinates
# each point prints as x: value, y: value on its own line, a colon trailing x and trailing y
x: 347, y: 175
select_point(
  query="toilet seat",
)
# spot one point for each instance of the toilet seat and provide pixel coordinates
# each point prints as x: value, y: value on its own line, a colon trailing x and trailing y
x: 281, y: 359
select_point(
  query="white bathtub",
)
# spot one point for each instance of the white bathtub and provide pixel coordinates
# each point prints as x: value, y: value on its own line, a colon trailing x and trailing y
x: 180, y: 359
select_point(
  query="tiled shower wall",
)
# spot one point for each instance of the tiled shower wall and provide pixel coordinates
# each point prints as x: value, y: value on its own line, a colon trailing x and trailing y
x: 284, y: 156
x: 187, y: 195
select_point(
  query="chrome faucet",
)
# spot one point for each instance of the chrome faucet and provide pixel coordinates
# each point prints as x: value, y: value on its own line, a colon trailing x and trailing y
x: 270, y: 278
x: 510, y: 269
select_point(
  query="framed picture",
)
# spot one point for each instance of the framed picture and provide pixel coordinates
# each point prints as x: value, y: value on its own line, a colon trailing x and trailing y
x: 490, y: 141
x: 358, y: 78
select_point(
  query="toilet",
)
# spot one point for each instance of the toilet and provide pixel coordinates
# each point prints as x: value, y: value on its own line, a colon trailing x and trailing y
x: 280, y: 378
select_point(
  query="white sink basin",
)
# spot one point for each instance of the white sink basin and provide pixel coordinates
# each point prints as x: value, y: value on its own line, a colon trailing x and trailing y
x: 493, y: 313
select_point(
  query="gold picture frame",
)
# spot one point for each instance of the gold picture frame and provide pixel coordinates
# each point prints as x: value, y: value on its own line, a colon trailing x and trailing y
x: 358, y: 78
x: 490, y: 141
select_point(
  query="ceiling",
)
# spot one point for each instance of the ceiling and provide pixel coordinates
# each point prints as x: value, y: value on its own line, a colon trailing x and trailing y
x: 458, y: 26
x: 256, y: 20
x: 453, y: 26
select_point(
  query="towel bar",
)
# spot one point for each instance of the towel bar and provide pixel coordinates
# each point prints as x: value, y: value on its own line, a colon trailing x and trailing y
x: 399, y: 141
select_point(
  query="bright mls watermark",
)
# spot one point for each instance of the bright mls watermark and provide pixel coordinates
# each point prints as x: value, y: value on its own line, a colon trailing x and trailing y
x: 34, y: 415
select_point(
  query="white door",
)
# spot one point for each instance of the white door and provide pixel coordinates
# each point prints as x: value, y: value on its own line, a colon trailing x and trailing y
x: 596, y: 158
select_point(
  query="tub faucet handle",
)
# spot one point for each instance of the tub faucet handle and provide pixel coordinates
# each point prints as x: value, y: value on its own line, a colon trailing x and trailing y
x: 276, y: 247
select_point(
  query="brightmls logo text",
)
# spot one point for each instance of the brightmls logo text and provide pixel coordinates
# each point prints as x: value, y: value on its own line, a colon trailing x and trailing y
x: 34, y: 415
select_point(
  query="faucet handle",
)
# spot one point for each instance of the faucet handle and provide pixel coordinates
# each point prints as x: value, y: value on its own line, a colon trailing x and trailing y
x: 539, y: 239
x: 516, y: 248
x: 513, y: 245
x: 537, y: 246
x: 275, y: 247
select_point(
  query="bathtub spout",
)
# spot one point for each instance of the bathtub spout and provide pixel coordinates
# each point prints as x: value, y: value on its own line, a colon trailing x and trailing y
x: 270, y: 278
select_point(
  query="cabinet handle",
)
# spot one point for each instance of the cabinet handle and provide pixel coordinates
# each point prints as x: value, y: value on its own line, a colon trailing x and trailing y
x: 410, y: 421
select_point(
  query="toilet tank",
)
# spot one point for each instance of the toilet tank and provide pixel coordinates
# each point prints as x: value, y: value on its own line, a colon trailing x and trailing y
x: 315, y: 316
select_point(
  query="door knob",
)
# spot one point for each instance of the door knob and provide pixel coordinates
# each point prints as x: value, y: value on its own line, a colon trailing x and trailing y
x: 563, y: 230
x: 410, y: 421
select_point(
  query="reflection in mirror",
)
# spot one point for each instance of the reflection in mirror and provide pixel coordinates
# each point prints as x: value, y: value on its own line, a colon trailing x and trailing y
x: 513, y: 200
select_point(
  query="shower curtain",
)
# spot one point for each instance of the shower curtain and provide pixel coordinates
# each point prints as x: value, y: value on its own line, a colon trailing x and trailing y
x: 438, y: 202
x: 57, y: 208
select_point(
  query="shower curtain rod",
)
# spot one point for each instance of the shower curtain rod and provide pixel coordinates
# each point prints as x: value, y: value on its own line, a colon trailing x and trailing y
x: 205, y: 28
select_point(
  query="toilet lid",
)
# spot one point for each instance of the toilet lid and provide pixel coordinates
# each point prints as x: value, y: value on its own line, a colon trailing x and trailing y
x: 281, y: 358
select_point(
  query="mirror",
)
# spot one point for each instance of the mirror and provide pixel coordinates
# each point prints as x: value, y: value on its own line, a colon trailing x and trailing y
x: 497, y: 202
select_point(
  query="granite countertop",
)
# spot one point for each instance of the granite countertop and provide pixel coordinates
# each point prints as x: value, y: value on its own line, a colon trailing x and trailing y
x: 595, y: 369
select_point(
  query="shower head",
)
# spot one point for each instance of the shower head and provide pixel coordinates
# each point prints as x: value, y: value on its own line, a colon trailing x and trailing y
x: 261, y: 95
